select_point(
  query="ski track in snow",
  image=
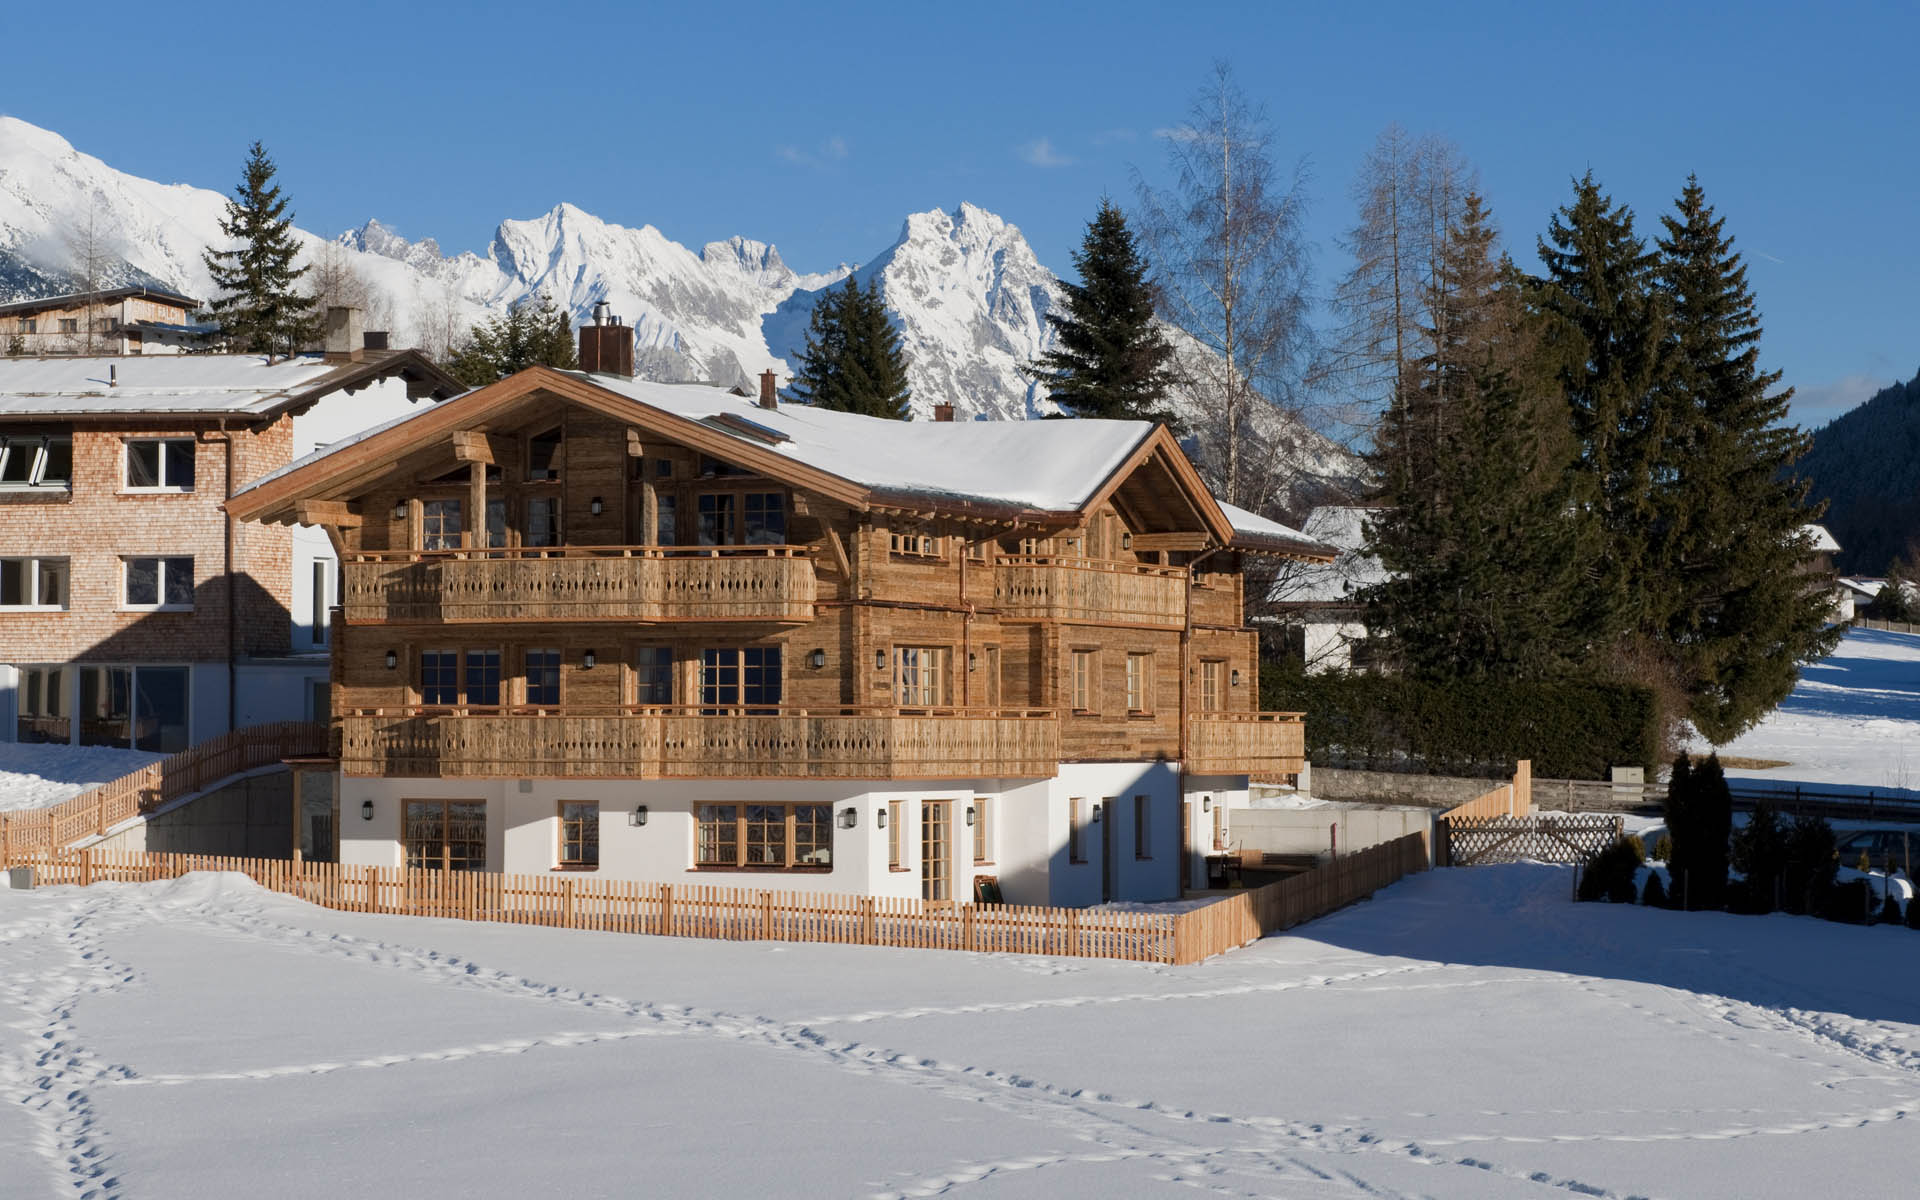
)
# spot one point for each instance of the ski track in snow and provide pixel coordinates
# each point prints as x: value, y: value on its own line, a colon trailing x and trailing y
x: 55, y: 958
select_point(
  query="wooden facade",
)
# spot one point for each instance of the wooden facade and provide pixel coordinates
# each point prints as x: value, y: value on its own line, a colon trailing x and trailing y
x: 546, y: 578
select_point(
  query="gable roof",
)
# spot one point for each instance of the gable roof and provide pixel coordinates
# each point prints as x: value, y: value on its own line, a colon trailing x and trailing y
x: 71, y: 299
x: 245, y: 385
x: 1025, y: 471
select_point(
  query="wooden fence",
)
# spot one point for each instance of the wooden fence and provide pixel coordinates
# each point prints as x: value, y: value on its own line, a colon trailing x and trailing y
x: 1233, y: 922
x: 1479, y: 841
x: 1887, y: 626
x: 93, y: 812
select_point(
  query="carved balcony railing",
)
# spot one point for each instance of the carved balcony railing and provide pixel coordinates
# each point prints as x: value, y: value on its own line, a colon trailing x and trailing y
x: 701, y: 743
x: 1090, y: 589
x: 580, y: 583
x: 1262, y: 745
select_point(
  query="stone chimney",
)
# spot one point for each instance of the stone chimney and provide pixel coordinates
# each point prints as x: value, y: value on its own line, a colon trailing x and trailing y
x: 768, y: 398
x: 943, y: 412
x: 606, y: 346
x: 345, y: 335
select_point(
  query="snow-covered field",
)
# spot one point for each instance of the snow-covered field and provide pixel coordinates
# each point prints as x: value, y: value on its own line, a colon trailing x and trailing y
x: 1853, y: 719
x: 37, y: 776
x: 1468, y: 1033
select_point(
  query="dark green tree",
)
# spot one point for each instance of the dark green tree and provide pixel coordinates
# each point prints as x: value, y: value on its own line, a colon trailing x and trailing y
x: 1682, y: 830
x: 1482, y: 557
x: 1110, y: 357
x: 1759, y: 853
x: 259, y: 310
x: 1899, y: 598
x: 534, y: 333
x: 852, y: 361
x: 1710, y: 814
x: 1729, y: 604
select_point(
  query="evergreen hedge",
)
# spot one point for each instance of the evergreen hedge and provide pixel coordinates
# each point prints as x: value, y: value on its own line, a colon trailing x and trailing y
x: 1571, y: 730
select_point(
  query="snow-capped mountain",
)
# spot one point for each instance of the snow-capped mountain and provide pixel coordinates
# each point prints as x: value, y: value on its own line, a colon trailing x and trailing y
x: 965, y: 288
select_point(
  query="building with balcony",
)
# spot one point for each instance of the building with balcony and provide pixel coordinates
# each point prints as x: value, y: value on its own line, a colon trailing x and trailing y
x: 116, y: 321
x: 664, y: 632
x: 133, y: 611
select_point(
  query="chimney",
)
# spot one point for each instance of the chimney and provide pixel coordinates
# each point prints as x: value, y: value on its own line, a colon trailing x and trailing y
x: 943, y: 412
x: 767, y: 398
x: 344, y: 334
x: 606, y: 348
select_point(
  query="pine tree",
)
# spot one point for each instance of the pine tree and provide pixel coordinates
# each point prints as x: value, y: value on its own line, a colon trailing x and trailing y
x: 532, y: 333
x: 1473, y: 452
x: 1682, y: 827
x: 259, y: 310
x: 1729, y: 610
x: 1711, y: 813
x: 852, y: 361
x: 1111, y: 359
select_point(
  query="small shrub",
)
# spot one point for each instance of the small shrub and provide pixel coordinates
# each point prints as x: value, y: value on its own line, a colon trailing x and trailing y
x: 1807, y: 865
x: 1890, y: 907
x: 1654, y: 895
x: 1759, y: 853
x: 1913, y: 912
x: 1663, y: 848
x: 1848, y: 903
x: 1611, y: 873
x: 1743, y: 897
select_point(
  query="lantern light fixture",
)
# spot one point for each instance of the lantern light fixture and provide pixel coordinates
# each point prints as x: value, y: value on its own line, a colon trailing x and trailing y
x: 817, y: 659
x: 587, y: 661
x: 1236, y: 677
x: 393, y: 660
x: 969, y: 816
x: 973, y: 661
x: 879, y: 660
x: 366, y: 810
x: 849, y: 817
x: 639, y: 815
x: 880, y: 817
x: 1126, y: 541
x: 596, y: 506
x: 400, y: 511
x: 1206, y: 804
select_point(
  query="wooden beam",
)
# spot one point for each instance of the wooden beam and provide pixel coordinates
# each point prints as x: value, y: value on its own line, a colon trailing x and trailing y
x: 636, y: 444
x: 840, y: 558
x: 1172, y: 541
x: 472, y: 446
x: 326, y: 512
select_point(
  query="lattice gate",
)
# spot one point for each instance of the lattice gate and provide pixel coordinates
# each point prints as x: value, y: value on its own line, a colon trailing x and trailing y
x: 1477, y: 841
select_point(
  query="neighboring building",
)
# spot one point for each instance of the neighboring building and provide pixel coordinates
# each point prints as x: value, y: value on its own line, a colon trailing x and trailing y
x: 1820, y: 565
x: 118, y: 321
x: 661, y: 632
x: 133, y: 611
x: 1317, y: 602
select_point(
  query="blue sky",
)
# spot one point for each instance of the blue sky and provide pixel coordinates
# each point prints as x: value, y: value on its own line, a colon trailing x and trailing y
x: 818, y: 127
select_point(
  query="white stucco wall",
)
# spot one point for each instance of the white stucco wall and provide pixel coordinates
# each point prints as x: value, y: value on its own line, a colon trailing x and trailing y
x: 1328, y: 645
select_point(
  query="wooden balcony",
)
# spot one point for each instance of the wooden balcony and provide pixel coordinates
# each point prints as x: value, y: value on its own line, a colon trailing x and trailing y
x: 1090, y: 589
x: 1267, y: 745
x: 581, y: 583
x: 701, y: 743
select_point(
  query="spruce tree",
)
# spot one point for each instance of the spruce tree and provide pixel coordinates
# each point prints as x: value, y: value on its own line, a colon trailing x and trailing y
x: 532, y: 333
x: 1711, y: 815
x: 258, y: 310
x: 1682, y: 827
x: 1110, y: 358
x: 852, y: 361
x: 1730, y: 610
x: 1482, y: 557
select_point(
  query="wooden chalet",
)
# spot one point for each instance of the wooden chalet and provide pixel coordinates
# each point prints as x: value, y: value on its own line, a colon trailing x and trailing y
x: 594, y: 623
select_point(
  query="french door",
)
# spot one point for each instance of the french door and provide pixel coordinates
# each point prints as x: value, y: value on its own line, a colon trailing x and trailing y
x: 936, y: 849
x: 449, y: 835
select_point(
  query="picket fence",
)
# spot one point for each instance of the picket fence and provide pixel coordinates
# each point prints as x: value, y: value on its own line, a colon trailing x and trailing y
x: 194, y: 769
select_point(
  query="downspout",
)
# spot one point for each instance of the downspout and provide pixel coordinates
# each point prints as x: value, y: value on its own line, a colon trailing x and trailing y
x: 1186, y: 692
x: 233, y: 593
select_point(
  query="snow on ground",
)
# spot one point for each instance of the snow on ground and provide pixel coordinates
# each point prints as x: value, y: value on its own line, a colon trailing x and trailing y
x: 1853, y: 719
x: 38, y: 775
x: 1468, y: 1033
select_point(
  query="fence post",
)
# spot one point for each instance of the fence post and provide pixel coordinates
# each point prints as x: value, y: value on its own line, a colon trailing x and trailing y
x: 373, y: 889
x: 869, y: 932
x: 86, y: 868
x: 766, y: 916
x: 566, y: 904
x: 666, y: 909
x: 968, y: 937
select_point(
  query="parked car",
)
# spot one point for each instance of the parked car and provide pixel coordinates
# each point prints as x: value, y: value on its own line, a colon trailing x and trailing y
x: 1884, y: 848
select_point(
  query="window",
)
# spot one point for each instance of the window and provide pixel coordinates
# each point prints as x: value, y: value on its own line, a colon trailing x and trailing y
x: 579, y: 834
x: 29, y: 325
x: 160, y: 583
x: 1139, y: 683
x: 144, y: 708
x: 1219, y: 825
x: 69, y: 324
x: 543, y: 523
x: 440, y: 525
x: 663, y: 468
x: 439, y: 677
x: 33, y: 582
x: 666, y: 530
x: 748, y: 678
x: 482, y: 677
x: 716, y: 518
x: 896, y: 835
x: 449, y: 677
x: 917, y: 545
x: 764, y: 519
x: 160, y: 465
x: 496, y: 523
x: 1142, y: 826
x: 445, y: 835
x: 653, y: 672
x: 1076, y: 849
x: 45, y: 709
x: 317, y: 603
x: 1083, y: 680
x: 982, y: 829
x: 713, y: 467
x: 1212, y: 675
x: 36, y: 460
x: 543, y: 455
x: 764, y: 837
x: 922, y: 672
x: 543, y: 678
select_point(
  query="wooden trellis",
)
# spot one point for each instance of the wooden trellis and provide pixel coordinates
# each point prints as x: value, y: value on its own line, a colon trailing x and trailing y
x: 1475, y: 841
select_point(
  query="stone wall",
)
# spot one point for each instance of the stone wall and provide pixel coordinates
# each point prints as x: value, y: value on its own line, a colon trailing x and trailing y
x: 248, y: 818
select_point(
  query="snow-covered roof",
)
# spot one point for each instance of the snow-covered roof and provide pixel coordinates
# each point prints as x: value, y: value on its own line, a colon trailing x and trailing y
x: 183, y: 383
x: 1252, y: 524
x: 1342, y: 526
x: 1823, y: 542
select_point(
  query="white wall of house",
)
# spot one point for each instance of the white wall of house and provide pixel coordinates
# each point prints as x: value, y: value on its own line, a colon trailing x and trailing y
x: 279, y: 691
x: 1107, y: 866
x: 1329, y: 645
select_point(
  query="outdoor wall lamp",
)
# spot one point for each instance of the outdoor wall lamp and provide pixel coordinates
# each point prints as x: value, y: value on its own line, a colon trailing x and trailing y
x: 969, y: 816
x: 879, y: 660
x: 973, y: 660
x: 817, y: 659
x: 1098, y: 810
x: 587, y: 660
x: 393, y: 660
x: 880, y: 818
x: 1236, y: 679
x: 366, y: 810
x: 1206, y: 804
x: 849, y: 817
x: 639, y: 815
x: 400, y: 511
x: 594, y: 506
x: 1126, y: 541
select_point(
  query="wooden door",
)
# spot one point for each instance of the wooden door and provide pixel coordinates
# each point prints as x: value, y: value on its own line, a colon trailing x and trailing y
x: 936, y: 850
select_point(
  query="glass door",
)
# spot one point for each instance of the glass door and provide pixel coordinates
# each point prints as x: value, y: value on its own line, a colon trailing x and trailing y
x: 446, y: 835
x: 936, y: 855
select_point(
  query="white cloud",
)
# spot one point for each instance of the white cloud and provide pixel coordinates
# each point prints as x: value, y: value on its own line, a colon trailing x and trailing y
x: 1040, y: 153
x: 1107, y: 137
x: 833, y: 150
x: 1178, y: 133
x: 1818, y: 403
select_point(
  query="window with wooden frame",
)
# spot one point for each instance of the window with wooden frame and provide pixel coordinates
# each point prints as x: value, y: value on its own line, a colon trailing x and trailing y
x: 666, y: 521
x: 982, y: 830
x: 763, y: 519
x: 741, y: 677
x: 716, y: 512
x: 1076, y: 848
x: 579, y: 835
x: 543, y: 678
x: 460, y: 678
x: 440, y: 524
x: 1219, y: 825
x: 543, y: 456
x: 1213, y: 677
x: 653, y: 675
x: 916, y: 545
x: 896, y: 835
x: 922, y: 673
x: 1085, y: 663
x: 159, y: 465
x: 1142, y: 828
x: 763, y: 837
x: 1140, y: 683
x: 541, y: 523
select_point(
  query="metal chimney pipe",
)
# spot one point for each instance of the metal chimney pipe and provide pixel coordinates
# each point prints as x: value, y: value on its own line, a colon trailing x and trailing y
x: 600, y: 312
x: 113, y: 374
